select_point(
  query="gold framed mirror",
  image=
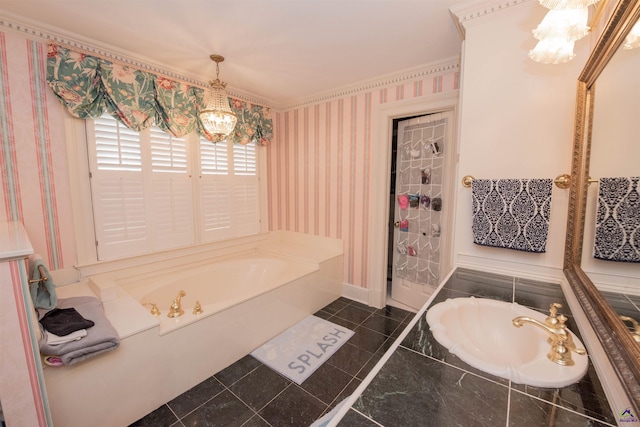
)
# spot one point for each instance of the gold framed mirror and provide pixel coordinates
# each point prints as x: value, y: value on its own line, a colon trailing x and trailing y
x: 617, y: 341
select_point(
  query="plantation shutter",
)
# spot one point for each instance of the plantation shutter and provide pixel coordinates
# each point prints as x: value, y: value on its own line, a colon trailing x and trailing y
x: 118, y: 189
x: 172, y: 211
x: 245, y: 193
x: 229, y: 190
x: 215, y: 190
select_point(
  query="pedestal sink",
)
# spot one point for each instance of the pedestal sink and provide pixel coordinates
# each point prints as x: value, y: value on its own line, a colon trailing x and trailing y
x: 481, y: 333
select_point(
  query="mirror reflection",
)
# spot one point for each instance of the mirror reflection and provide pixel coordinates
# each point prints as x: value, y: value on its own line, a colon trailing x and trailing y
x: 615, y: 152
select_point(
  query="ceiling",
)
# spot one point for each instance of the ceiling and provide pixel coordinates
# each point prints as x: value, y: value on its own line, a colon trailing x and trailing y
x: 279, y: 50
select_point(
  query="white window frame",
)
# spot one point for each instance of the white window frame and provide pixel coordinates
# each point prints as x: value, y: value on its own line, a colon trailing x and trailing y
x: 82, y: 209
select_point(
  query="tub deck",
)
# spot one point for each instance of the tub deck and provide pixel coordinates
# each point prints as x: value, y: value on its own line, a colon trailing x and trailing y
x: 151, y: 369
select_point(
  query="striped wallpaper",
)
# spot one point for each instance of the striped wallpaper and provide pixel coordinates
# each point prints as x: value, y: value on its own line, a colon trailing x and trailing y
x: 35, y: 181
x: 319, y: 166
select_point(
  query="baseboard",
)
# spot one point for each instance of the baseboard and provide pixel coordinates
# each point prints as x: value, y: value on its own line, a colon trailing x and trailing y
x: 355, y: 293
x: 511, y: 268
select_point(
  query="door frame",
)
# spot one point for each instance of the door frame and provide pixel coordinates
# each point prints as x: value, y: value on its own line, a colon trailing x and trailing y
x: 382, y: 124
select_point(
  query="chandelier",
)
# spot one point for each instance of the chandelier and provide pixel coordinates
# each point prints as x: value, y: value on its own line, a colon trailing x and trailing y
x: 564, y: 24
x: 217, y: 118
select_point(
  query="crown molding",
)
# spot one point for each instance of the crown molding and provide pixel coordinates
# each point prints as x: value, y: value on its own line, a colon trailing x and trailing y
x: 435, y: 68
x: 467, y: 12
x: 46, y: 34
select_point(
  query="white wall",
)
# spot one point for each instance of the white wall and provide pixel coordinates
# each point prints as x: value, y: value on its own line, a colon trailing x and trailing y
x: 517, y: 122
x: 615, y: 152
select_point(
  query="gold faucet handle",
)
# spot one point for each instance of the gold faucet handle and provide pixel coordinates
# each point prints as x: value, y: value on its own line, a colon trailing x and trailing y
x: 154, y: 308
x: 569, y: 344
x: 552, y: 320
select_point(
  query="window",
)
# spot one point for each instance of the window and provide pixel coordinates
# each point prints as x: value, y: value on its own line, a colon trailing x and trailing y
x: 229, y: 189
x: 145, y: 197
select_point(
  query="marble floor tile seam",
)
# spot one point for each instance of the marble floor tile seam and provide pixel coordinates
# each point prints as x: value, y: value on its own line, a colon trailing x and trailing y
x: 209, y: 400
x: 531, y: 396
x: 367, y: 417
x: 456, y: 367
x: 256, y: 412
x: 339, y: 395
x: 401, y: 325
x: 510, y: 388
x: 242, y: 377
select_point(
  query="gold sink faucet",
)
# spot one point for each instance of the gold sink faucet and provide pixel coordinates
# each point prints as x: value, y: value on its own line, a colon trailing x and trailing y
x: 176, y: 308
x: 636, y: 327
x: 559, y: 337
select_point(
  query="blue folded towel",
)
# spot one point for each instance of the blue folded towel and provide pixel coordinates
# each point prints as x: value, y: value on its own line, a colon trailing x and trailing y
x: 43, y: 292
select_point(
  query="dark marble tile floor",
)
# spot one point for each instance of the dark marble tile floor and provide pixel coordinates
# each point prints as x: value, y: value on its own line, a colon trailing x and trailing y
x: 423, y: 384
x: 249, y: 393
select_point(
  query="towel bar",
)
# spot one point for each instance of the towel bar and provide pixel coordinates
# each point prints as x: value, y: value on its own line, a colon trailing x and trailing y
x: 43, y: 276
x: 562, y: 181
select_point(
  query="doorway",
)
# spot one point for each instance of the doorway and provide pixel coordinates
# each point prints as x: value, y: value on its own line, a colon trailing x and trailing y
x: 418, y: 207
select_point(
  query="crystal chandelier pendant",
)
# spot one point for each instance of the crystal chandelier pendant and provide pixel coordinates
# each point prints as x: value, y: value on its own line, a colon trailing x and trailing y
x: 217, y: 118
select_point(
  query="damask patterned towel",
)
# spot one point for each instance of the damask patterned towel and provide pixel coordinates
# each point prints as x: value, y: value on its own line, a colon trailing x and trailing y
x: 511, y: 213
x: 618, y: 220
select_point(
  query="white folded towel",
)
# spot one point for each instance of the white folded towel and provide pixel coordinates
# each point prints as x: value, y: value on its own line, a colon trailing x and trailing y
x: 53, y: 339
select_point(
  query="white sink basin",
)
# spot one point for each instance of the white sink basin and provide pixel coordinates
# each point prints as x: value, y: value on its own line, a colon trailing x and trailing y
x: 480, y: 332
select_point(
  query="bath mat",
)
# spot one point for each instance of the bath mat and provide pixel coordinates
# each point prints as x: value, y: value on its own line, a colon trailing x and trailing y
x: 300, y: 350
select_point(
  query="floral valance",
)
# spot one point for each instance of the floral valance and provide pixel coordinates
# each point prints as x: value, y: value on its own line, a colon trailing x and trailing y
x: 88, y: 86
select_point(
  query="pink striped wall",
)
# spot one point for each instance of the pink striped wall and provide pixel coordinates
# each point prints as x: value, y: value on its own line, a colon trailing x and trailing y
x: 319, y: 167
x: 35, y: 179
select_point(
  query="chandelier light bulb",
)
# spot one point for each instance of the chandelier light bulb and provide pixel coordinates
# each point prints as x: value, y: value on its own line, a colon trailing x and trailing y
x: 217, y: 118
x: 632, y: 40
x: 570, y: 24
x: 552, y: 51
x: 567, y: 4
